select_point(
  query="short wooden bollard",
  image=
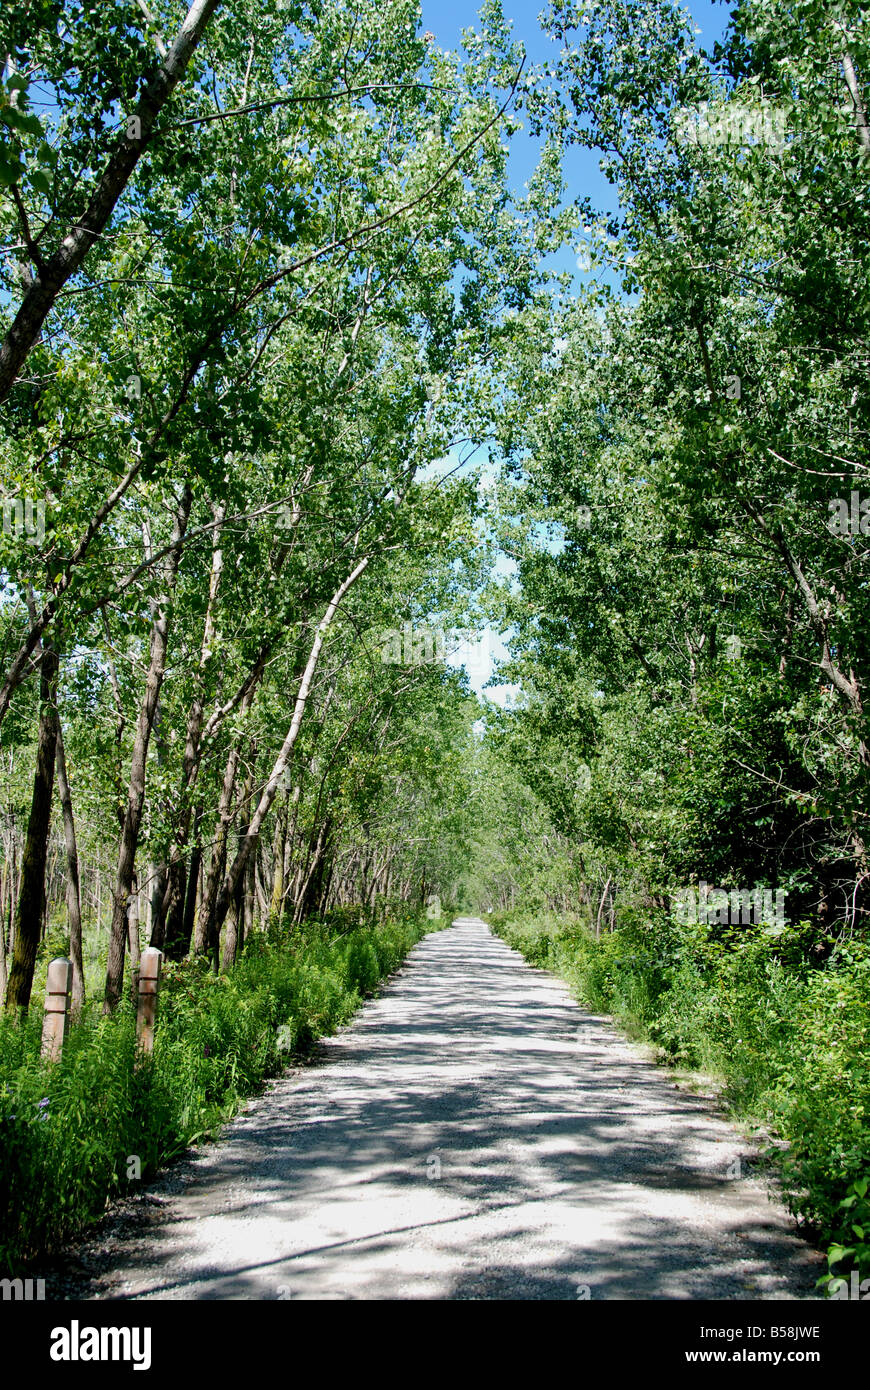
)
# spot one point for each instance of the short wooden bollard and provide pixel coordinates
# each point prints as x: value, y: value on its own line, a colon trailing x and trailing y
x: 55, y: 1020
x: 149, y: 982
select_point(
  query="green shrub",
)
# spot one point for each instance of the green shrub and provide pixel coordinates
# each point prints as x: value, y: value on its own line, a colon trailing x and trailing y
x: 76, y: 1132
x: 789, y: 1040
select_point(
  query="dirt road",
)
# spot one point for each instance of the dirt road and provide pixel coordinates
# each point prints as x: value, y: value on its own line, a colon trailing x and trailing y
x: 472, y: 1134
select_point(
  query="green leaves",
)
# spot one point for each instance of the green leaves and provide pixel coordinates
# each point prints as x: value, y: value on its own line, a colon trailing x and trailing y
x: 19, y: 120
x: 11, y: 166
x: 20, y: 159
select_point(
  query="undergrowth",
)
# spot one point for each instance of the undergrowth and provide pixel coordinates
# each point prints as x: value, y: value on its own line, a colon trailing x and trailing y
x: 788, y: 1038
x: 76, y: 1132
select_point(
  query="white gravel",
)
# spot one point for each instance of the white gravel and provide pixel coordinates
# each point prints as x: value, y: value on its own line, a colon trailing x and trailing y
x: 471, y: 1134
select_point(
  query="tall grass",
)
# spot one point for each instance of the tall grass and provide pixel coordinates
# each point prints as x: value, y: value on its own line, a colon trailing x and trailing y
x: 788, y: 1038
x: 76, y: 1132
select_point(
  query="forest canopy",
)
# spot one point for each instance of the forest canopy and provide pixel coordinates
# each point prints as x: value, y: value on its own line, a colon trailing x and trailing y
x: 273, y: 310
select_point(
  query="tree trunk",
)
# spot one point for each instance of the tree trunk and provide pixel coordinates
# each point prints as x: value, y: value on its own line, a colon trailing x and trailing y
x: 73, y: 889
x: 241, y: 907
x: 134, y: 944
x: 204, y: 944
x: 172, y: 914
x: 270, y: 790
x: 31, y: 894
x: 862, y: 130
x: 41, y: 294
x: 278, y: 870
x: 307, y: 893
x: 136, y: 791
x: 193, y: 888
x: 158, y: 878
x: 7, y: 888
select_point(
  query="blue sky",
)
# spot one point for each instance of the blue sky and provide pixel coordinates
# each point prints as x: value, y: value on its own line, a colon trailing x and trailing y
x: 446, y: 19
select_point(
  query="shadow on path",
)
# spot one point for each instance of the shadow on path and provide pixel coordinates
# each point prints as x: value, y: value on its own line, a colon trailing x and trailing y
x: 471, y: 1134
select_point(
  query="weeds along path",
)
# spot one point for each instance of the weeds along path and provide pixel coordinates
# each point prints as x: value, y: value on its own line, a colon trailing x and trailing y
x: 472, y: 1134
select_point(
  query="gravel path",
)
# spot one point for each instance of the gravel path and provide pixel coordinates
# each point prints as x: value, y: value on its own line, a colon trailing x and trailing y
x: 471, y: 1134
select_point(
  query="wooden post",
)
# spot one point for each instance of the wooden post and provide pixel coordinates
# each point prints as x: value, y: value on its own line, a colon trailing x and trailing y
x: 149, y: 981
x: 55, y: 1021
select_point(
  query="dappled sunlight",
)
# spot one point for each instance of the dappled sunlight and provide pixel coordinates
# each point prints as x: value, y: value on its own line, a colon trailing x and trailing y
x: 472, y: 1134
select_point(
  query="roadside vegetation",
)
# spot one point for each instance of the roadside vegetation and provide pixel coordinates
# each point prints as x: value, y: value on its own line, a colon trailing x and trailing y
x: 297, y: 382
x: 787, y: 1041
x: 75, y: 1133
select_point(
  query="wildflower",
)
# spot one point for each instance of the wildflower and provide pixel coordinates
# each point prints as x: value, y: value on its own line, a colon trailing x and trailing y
x: 206, y: 1050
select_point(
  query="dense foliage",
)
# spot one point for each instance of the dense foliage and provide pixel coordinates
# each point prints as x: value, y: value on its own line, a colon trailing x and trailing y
x: 266, y: 289
x: 217, y: 463
x: 690, y: 611
x: 96, y: 1123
